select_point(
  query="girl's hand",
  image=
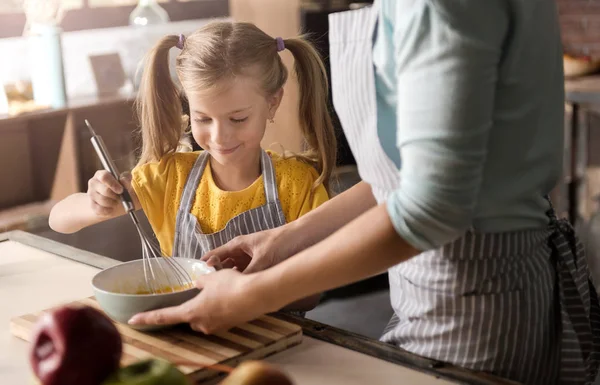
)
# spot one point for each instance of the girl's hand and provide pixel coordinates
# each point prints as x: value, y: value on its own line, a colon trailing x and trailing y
x: 103, y: 191
x: 226, y: 299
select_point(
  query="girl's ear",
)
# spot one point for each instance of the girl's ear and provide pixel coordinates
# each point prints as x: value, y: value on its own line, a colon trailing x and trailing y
x: 274, y: 102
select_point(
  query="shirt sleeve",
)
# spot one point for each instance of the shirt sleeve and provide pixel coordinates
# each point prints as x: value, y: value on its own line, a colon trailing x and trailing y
x: 149, y: 183
x: 447, y: 54
x: 296, y: 190
x: 313, y: 199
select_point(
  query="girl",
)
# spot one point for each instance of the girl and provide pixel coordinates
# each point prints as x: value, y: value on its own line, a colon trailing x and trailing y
x: 233, y: 79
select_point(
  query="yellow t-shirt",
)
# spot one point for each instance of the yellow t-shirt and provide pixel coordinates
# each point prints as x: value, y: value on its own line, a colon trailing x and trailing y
x: 159, y: 186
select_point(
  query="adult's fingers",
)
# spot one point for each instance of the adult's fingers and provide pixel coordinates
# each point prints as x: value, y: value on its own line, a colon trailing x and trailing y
x: 257, y: 264
x: 237, y: 249
x: 218, y: 264
x: 166, y: 316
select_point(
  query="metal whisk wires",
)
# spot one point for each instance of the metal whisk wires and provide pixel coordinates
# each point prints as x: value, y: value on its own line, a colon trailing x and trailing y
x: 161, y: 273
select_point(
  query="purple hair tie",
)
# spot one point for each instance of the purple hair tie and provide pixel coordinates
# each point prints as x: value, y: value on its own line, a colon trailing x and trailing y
x: 280, y: 44
x: 180, y: 42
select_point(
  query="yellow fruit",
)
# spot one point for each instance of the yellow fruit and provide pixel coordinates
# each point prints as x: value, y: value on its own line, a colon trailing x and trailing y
x: 256, y: 373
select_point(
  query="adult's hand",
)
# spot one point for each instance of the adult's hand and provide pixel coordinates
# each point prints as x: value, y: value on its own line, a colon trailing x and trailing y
x: 225, y: 300
x: 258, y: 251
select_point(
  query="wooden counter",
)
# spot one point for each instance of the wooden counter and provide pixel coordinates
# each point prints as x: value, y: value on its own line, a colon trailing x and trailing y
x: 47, y: 154
x: 37, y: 273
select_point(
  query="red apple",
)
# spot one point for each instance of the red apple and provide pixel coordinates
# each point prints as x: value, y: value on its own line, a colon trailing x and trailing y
x: 75, y: 346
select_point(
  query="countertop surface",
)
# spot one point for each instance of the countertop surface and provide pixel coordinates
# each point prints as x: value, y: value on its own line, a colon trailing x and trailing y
x: 36, y: 273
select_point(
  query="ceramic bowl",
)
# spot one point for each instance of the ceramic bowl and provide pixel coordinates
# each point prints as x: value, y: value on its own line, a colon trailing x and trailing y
x: 121, y: 290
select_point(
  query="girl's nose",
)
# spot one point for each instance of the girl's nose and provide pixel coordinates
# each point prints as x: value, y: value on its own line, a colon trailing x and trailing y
x: 220, y: 133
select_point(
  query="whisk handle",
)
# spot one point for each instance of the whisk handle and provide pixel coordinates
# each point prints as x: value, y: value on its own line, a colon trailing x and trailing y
x: 110, y: 166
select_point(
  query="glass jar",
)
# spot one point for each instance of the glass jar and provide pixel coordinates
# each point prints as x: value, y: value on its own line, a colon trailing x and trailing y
x: 148, y: 12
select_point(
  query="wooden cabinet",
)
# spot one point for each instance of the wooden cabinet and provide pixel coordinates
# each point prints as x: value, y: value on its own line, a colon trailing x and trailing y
x: 47, y: 155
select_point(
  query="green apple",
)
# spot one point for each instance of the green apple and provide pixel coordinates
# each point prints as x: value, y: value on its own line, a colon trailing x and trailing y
x: 148, y: 372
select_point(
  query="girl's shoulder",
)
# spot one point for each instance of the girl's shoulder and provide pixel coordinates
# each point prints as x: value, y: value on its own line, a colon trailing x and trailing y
x: 289, y: 169
x: 295, y: 184
x: 179, y: 163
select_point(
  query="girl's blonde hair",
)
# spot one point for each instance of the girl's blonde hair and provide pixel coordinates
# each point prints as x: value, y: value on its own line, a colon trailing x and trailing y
x: 221, y: 51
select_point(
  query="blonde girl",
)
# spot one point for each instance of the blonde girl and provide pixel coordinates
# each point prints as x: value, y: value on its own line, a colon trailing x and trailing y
x: 233, y: 78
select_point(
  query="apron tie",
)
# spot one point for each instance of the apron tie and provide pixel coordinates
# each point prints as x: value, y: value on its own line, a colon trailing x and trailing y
x: 578, y: 301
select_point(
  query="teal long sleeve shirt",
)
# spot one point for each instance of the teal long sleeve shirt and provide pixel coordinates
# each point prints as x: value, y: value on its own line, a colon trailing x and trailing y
x: 470, y: 105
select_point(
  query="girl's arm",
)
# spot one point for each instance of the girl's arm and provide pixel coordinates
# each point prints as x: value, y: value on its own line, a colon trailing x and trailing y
x: 99, y: 204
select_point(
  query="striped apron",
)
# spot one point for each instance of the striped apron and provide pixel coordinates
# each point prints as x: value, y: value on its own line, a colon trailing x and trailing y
x: 518, y: 304
x: 191, y: 242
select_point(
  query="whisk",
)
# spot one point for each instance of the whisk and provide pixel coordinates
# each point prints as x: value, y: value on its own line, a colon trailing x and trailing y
x: 170, y: 270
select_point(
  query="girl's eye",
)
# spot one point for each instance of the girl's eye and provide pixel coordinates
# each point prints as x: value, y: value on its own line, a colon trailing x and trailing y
x: 203, y: 120
x: 239, y: 120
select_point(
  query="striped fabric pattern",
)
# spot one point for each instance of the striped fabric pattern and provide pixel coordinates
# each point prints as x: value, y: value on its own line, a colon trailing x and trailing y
x: 350, y: 42
x: 498, y: 303
x: 580, y: 309
x: 517, y: 304
x: 190, y: 242
x: 483, y: 302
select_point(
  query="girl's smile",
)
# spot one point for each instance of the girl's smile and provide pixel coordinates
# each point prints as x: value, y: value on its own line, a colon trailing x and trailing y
x: 226, y: 151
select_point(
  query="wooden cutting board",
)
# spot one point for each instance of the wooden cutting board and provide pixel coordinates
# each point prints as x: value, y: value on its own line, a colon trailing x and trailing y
x: 253, y: 340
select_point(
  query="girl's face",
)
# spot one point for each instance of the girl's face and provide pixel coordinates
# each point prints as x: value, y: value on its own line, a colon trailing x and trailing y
x: 230, y: 122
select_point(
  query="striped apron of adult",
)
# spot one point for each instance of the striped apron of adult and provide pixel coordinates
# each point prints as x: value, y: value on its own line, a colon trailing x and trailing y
x: 519, y: 305
x: 191, y: 242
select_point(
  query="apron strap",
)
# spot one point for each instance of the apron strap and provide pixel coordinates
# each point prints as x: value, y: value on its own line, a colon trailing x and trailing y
x: 578, y: 301
x: 187, y: 197
x: 189, y: 191
x: 270, y: 182
x: 269, y: 179
x: 191, y: 185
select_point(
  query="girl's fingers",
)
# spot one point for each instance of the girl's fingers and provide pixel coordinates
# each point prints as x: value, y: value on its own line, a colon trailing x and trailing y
x: 108, y: 180
x: 103, y: 201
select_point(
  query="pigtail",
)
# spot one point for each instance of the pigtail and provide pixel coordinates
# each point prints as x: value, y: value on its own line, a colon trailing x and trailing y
x: 315, y: 120
x: 158, y: 104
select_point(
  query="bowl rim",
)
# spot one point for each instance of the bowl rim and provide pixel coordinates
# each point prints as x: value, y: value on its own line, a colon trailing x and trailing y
x: 96, y: 288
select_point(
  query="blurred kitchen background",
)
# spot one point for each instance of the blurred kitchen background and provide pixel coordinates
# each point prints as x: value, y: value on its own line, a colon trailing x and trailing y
x: 63, y: 61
